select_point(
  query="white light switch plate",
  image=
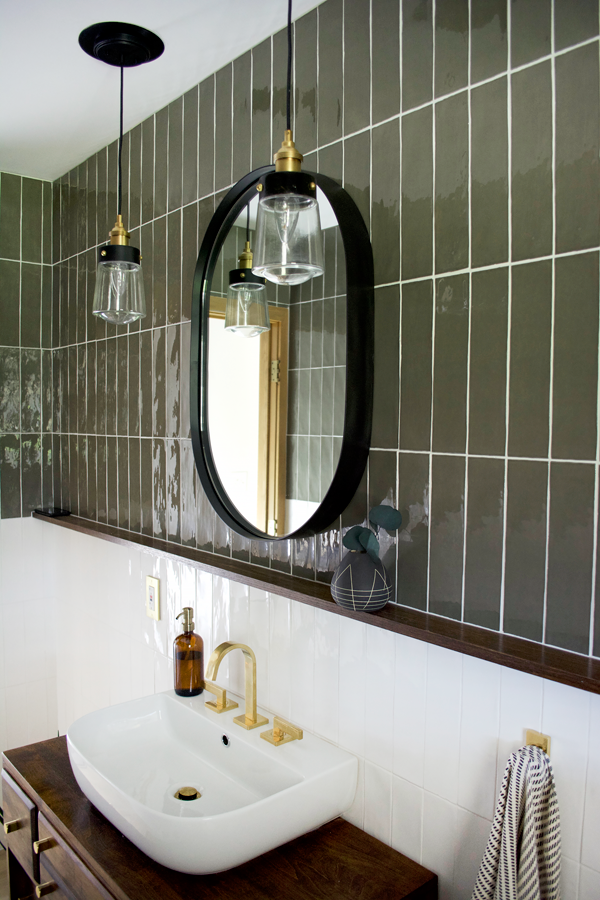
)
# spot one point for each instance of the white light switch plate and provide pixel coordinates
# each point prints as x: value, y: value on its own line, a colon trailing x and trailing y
x: 152, y: 597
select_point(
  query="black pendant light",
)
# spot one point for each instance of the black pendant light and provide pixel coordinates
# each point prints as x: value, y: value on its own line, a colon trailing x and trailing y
x: 289, y: 244
x: 119, y: 295
x: 247, y: 311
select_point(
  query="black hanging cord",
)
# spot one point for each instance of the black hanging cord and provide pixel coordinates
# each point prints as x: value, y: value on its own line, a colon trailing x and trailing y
x: 120, y: 180
x: 289, y: 67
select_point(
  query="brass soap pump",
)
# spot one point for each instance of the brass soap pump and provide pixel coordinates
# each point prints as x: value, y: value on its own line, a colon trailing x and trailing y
x: 188, y: 658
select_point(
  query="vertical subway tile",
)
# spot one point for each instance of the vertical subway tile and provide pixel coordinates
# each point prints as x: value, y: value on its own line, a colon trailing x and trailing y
x: 205, y: 520
x: 174, y: 267
x: 31, y: 473
x: 133, y: 386
x: 47, y: 216
x: 122, y: 385
x: 279, y: 74
x: 190, y: 146
x: 111, y: 386
x: 188, y: 495
x: 305, y: 53
x: 159, y: 263
x: 575, y: 375
x: 451, y: 190
x: 483, y: 559
x: 189, y: 253
x: 82, y: 423
x: 112, y: 481
x: 146, y: 485
x: 135, y: 512
x: 47, y: 391
x: 10, y: 216
x: 357, y: 69
x: 101, y: 501
x: 242, y: 85
x: 386, y: 387
x: 47, y: 471
x: 413, y: 535
x: 31, y: 304
x: 489, y: 174
x: 574, y: 21
x: 175, y: 170
x: 173, y: 350
x: 72, y: 389
x: 102, y: 224
x: 489, y: 43
x: 330, y: 71
x: 31, y: 390
x: 112, y: 156
x: 385, y: 222
x: 417, y: 194
x: 123, y: 481
x: 357, y: 170
x: 90, y: 388
x: 161, y: 172
x: 417, y: 53
x: 31, y: 220
x: 531, y: 326
x: 570, y: 556
x: 148, y: 169
x: 530, y: 28
x: 10, y: 462
x: 450, y: 364
x: 206, y: 137
x: 46, y: 325
x: 159, y: 487
x: 385, y: 60
x: 146, y: 389
x: 135, y: 180
x: 223, y: 136
x: 525, y: 568
x: 101, y: 387
x: 184, y: 385
x: 81, y: 298
x: 10, y: 396
x: 487, y: 394
x: 9, y: 301
x: 383, y: 466
x: 532, y: 162
x: 577, y: 148
x: 447, y: 535
x: 261, y: 104
x: 158, y: 384
x: 147, y: 252
x: 451, y: 46
x: 173, y: 491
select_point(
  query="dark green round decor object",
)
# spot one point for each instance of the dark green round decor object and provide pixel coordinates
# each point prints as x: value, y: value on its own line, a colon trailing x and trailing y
x: 361, y: 583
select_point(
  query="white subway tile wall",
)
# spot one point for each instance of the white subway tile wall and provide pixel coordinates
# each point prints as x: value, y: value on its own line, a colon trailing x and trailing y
x: 432, y: 728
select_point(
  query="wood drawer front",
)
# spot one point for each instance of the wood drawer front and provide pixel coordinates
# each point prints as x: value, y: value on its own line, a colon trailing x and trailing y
x: 59, y: 863
x: 17, y: 807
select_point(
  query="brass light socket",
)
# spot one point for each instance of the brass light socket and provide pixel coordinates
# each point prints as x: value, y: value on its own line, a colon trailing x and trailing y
x: 246, y: 257
x: 119, y: 234
x: 287, y: 158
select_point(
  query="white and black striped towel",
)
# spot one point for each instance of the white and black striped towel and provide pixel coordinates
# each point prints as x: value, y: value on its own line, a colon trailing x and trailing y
x: 522, y: 857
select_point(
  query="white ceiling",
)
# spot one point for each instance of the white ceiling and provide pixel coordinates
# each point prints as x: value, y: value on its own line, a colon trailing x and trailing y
x: 58, y: 105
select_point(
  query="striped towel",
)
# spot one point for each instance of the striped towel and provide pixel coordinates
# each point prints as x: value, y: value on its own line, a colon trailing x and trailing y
x: 522, y: 857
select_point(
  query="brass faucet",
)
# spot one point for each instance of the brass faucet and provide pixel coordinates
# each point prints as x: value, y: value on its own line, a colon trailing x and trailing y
x: 251, y: 719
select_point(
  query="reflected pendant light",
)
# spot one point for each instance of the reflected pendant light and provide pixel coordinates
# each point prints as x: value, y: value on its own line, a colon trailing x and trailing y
x: 289, y: 244
x: 119, y: 295
x: 247, y: 312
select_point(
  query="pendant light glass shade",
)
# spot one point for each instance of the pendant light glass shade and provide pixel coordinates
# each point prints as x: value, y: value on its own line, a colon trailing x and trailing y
x: 289, y: 245
x: 119, y: 295
x: 247, y: 311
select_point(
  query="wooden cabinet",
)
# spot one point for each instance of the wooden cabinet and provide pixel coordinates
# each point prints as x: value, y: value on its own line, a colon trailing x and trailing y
x: 62, y: 847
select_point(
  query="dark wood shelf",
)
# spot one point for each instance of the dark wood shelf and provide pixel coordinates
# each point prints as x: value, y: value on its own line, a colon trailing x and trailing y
x: 337, y: 861
x: 516, y: 653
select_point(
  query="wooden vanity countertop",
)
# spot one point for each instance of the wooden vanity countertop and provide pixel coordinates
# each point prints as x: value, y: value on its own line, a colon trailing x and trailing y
x: 337, y: 861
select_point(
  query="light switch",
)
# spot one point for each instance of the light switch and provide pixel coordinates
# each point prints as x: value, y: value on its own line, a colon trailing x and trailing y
x: 152, y: 597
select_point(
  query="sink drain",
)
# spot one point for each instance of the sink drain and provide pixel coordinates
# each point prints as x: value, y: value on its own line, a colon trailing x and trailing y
x: 187, y: 793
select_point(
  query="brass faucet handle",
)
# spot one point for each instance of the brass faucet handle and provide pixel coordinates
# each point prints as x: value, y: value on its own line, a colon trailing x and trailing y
x: 282, y: 732
x: 222, y: 703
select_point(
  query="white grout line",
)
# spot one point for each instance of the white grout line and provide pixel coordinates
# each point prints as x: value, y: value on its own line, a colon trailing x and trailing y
x: 433, y: 300
x: 469, y: 326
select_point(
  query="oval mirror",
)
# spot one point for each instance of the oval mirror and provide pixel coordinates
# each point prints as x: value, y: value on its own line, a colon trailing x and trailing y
x: 281, y: 393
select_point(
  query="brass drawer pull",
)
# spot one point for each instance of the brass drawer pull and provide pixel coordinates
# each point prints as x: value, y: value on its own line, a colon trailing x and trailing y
x: 9, y: 827
x: 47, y: 888
x: 44, y: 844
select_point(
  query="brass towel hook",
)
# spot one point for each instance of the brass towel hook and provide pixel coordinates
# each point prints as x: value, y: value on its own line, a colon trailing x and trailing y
x: 535, y: 739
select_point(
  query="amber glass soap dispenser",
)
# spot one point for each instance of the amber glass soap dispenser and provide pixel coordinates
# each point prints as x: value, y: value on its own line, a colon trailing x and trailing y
x: 188, y: 658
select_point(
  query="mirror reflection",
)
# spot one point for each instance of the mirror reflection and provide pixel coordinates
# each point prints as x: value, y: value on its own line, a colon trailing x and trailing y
x: 276, y: 386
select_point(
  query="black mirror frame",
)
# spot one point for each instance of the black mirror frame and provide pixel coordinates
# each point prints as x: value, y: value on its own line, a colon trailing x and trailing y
x: 359, y: 357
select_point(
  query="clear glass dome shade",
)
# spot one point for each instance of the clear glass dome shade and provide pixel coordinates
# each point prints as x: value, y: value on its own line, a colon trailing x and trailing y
x: 247, y: 312
x: 288, y: 248
x: 119, y: 295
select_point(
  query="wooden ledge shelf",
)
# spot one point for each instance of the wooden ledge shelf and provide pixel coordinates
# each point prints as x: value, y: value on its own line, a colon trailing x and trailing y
x: 517, y: 653
x: 90, y: 859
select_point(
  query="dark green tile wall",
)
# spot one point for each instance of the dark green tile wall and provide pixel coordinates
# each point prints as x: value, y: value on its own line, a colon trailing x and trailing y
x: 472, y: 152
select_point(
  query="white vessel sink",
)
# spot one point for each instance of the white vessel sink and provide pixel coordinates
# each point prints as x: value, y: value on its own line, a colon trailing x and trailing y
x: 131, y: 759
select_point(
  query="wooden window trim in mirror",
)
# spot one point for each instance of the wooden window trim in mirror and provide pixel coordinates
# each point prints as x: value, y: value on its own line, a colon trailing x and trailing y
x: 272, y: 412
x: 359, y: 357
